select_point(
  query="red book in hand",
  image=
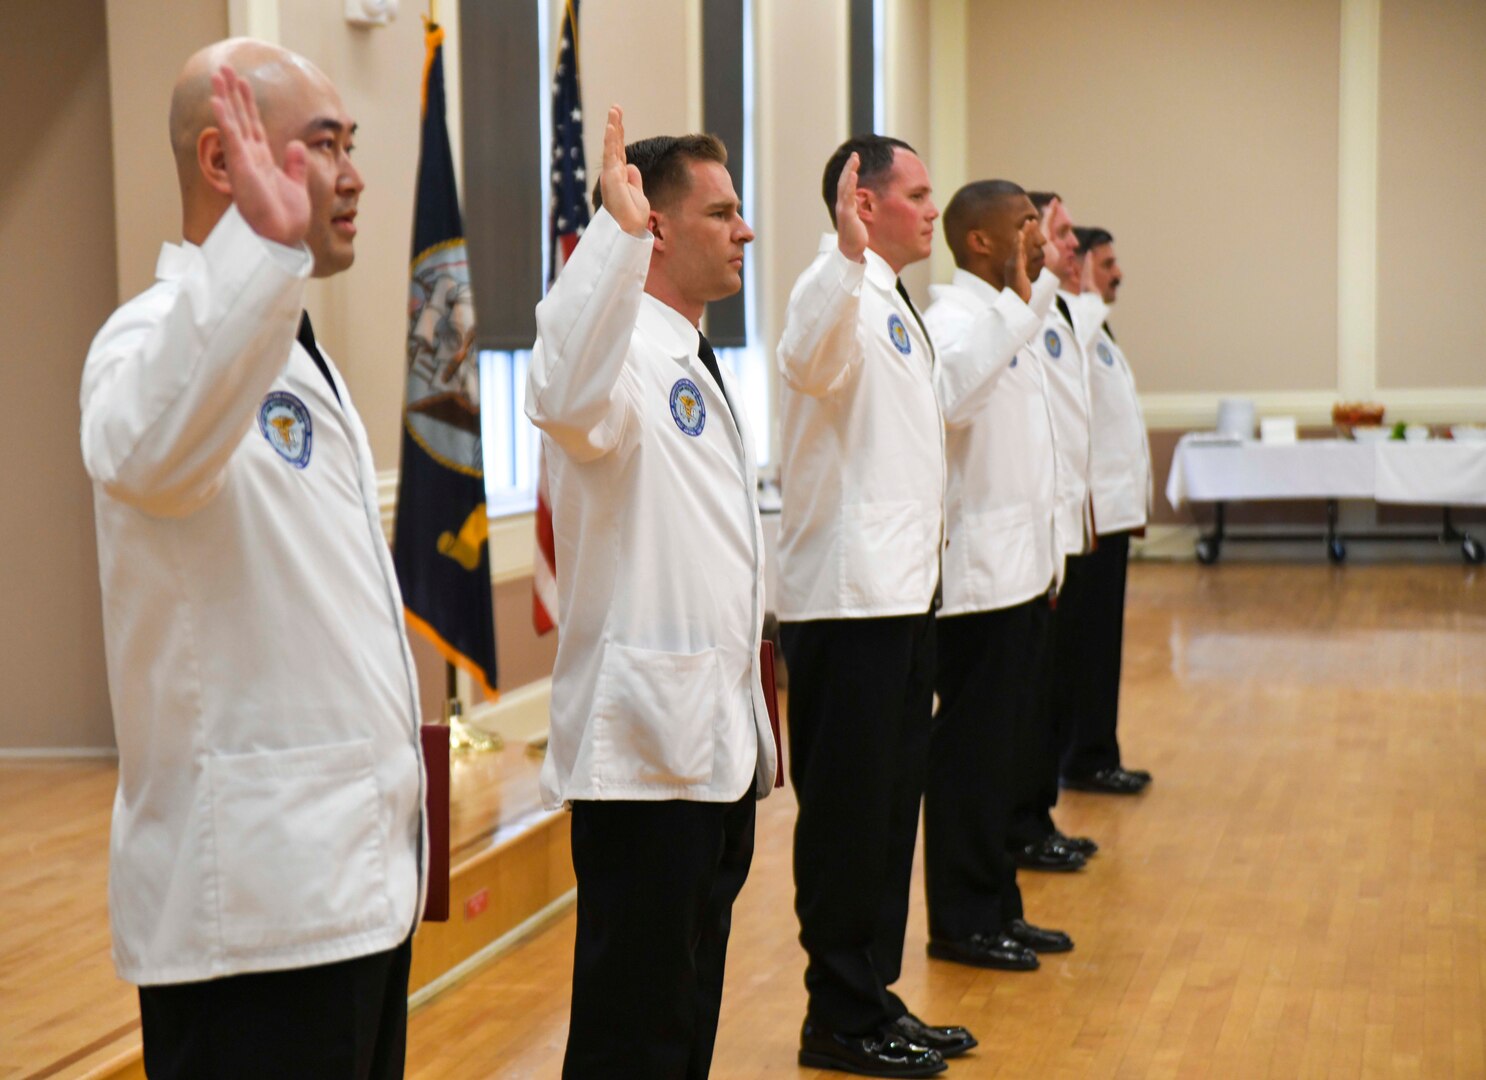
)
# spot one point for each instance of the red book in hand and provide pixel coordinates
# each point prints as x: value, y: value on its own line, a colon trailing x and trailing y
x: 435, y: 739
x: 771, y: 700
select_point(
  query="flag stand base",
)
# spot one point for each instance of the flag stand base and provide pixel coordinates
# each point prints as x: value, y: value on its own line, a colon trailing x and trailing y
x: 464, y: 737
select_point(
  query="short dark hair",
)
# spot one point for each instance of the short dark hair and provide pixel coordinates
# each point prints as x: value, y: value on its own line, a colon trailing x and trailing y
x: 875, y: 154
x: 969, y: 208
x: 662, y: 161
x: 1090, y: 237
x: 1040, y: 199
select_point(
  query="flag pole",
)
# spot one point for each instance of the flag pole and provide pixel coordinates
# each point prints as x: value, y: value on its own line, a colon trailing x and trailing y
x: 463, y: 736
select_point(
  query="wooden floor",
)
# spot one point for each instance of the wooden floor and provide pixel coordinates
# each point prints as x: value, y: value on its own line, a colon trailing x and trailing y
x: 1299, y: 894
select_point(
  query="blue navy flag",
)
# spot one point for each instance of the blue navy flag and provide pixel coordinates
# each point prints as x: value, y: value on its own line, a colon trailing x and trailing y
x: 567, y: 219
x: 440, y: 542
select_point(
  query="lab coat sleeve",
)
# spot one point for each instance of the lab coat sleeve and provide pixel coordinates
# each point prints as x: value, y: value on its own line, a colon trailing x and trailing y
x: 574, y: 388
x: 1089, y: 313
x: 167, y: 396
x: 975, y: 351
x: 818, y: 351
x: 1044, y: 292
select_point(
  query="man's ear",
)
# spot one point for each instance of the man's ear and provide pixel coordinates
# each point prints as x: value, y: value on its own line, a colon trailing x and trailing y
x: 654, y: 226
x: 978, y: 241
x: 866, y: 204
x: 211, y: 159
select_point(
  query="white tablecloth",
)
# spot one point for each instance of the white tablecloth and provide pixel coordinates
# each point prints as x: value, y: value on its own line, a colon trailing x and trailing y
x: 1442, y: 473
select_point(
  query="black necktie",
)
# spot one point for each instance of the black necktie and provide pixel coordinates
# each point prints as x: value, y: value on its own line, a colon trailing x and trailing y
x: 709, y: 361
x: 1063, y: 307
x: 307, y: 340
x: 903, y: 292
x: 1110, y: 332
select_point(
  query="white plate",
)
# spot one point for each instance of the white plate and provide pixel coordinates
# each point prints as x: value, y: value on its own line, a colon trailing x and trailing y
x: 1468, y: 433
x: 1371, y: 433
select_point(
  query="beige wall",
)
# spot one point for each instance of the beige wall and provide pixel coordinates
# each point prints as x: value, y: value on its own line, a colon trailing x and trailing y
x: 1204, y: 136
x: 57, y: 285
x: 1432, y: 195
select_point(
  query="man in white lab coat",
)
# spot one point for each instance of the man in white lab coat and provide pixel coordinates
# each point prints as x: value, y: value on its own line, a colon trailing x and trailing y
x: 862, y: 480
x: 1001, y: 565
x: 267, y: 863
x: 1120, y: 485
x: 1034, y: 840
x: 660, y: 739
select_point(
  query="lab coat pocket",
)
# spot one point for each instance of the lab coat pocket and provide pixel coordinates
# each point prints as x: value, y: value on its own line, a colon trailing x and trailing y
x: 887, y: 550
x: 299, y: 848
x: 995, y: 550
x: 653, y: 715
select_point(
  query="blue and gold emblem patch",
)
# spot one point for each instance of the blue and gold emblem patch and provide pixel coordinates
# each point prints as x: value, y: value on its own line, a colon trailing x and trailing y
x: 285, y: 423
x: 687, y: 407
x: 899, y: 334
x: 1054, y: 344
x: 1105, y: 354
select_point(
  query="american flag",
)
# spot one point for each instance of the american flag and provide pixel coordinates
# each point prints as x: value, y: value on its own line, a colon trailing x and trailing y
x: 568, y: 217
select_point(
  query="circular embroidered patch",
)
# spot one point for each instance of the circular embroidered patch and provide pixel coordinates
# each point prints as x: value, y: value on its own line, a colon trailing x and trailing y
x: 899, y: 334
x: 1105, y: 354
x: 687, y: 407
x: 1054, y: 344
x: 285, y: 423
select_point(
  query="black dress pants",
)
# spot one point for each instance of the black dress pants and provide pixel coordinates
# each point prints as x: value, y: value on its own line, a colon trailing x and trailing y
x: 1038, y: 747
x: 1093, y: 638
x: 656, y: 885
x: 341, y: 1021
x: 988, y: 704
x: 860, y: 712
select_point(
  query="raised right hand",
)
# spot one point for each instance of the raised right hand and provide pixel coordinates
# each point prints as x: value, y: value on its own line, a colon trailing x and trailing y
x: 1050, y: 250
x: 851, y: 234
x: 274, y: 200
x: 624, y: 192
x: 1016, y: 267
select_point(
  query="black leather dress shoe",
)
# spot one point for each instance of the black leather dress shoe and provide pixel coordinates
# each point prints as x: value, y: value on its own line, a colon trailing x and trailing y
x: 949, y: 1041
x: 1108, y: 782
x: 988, y: 951
x: 1048, y: 854
x: 1142, y: 773
x: 1081, y: 844
x: 1036, y: 938
x: 879, y: 1054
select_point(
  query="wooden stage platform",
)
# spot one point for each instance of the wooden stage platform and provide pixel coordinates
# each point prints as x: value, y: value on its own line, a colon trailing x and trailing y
x: 1302, y: 892
x: 64, y: 1014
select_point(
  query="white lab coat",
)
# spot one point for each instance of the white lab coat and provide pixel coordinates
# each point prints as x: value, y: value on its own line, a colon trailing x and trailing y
x: 1120, y: 451
x: 999, y: 546
x: 1067, y: 375
x: 656, y: 691
x: 862, y: 469
x: 269, y: 813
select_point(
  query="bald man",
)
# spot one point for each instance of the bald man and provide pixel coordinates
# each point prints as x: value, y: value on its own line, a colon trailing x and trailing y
x: 267, y: 861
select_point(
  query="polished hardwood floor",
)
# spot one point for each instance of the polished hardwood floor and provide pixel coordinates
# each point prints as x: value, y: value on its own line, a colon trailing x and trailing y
x: 1300, y: 892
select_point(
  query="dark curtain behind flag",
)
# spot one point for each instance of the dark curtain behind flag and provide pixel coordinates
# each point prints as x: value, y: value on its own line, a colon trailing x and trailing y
x: 439, y: 544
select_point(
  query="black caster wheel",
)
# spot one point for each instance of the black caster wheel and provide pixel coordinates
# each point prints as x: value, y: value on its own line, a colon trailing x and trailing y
x: 1207, y: 551
x: 1472, y: 550
x: 1336, y: 551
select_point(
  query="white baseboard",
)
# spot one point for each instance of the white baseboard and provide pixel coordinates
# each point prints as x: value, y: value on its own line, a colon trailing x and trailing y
x: 521, y: 715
